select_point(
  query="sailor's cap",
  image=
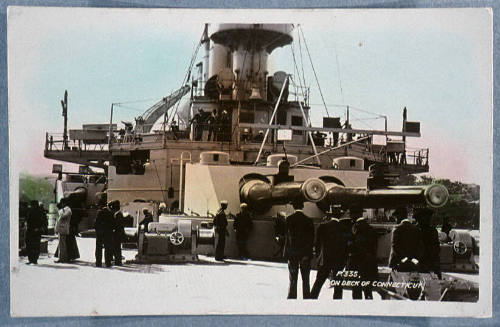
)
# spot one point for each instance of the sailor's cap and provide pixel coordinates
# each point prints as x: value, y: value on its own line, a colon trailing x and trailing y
x: 114, y: 203
x: 223, y: 202
x: 243, y: 205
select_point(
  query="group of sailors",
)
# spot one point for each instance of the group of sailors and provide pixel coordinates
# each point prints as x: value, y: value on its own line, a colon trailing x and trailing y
x: 242, y: 226
x: 110, y: 231
x: 109, y: 227
x: 66, y: 228
x: 415, y: 247
x: 217, y: 123
x: 345, y: 248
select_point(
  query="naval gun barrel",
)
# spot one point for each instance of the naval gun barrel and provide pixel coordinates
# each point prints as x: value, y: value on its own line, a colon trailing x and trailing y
x: 435, y: 196
x: 260, y: 195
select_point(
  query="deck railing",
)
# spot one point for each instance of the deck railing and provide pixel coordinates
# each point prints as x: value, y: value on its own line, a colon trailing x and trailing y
x: 55, y: 142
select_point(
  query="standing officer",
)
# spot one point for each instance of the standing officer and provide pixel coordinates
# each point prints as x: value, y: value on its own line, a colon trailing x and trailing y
x: 197, y: 120
x: 298, y: 249
x: 104, y: 225
x: 220, y: 223
x: 118, y: 232
x: 35, y: 226
x: 148, y: 218
x: 279, y: 233
x: 430, y: 238
x: 213, y: 126
x: 347, y: 237
x: 331, y: 248
x: 363, y: 258
x: 406, y: 250
x: 225, y: 127
x: 242, y: 226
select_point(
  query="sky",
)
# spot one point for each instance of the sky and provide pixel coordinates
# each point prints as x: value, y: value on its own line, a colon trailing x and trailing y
x: 435, y: 62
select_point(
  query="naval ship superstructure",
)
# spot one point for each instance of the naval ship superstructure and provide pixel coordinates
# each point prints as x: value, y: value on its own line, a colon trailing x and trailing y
x: 245, y: 137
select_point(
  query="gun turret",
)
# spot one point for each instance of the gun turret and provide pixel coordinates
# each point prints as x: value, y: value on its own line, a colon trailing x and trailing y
x: 261, y: 195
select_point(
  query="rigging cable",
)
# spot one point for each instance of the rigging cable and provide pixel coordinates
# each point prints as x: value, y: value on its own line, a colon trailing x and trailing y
x: 314, y: 71
x: 361, y: 121
x: 338, y: 70
x: 137, y: 101
x: 159, y: 183
x: 301, y: 60
x: 296, y: 71
x: 128, y: 108
x: 186, y: 78
x: 300, y: 86
x: 367, y: 112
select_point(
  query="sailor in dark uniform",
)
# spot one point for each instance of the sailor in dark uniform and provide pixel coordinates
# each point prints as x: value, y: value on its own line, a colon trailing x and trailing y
x: 430, y: 241
x: 242, y: 226
x: 346, y: 232
x: 35, y: 222
x: 406, y: 249
x: 331, y: 248
x: 279, y: 233
x: 104, y: 226
x: 118, y: 233
x: 213, y: 126
x: 148, y: 218
x: 225, y: 126
x: 298, y: 249
x: 363, y: 257
x: 220, y: 223
x: 446, y: 229
x: 197, y: 120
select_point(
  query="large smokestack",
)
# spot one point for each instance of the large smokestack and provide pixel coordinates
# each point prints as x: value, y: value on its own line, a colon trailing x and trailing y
x: 246, y: 47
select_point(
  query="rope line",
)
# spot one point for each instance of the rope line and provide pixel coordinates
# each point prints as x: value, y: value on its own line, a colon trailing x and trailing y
x: 314, y: 71
x: 338, y: 70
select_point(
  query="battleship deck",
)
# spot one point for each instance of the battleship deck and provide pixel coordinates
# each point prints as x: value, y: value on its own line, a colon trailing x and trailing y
x: 82, y: 289
x: 150, y: 289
